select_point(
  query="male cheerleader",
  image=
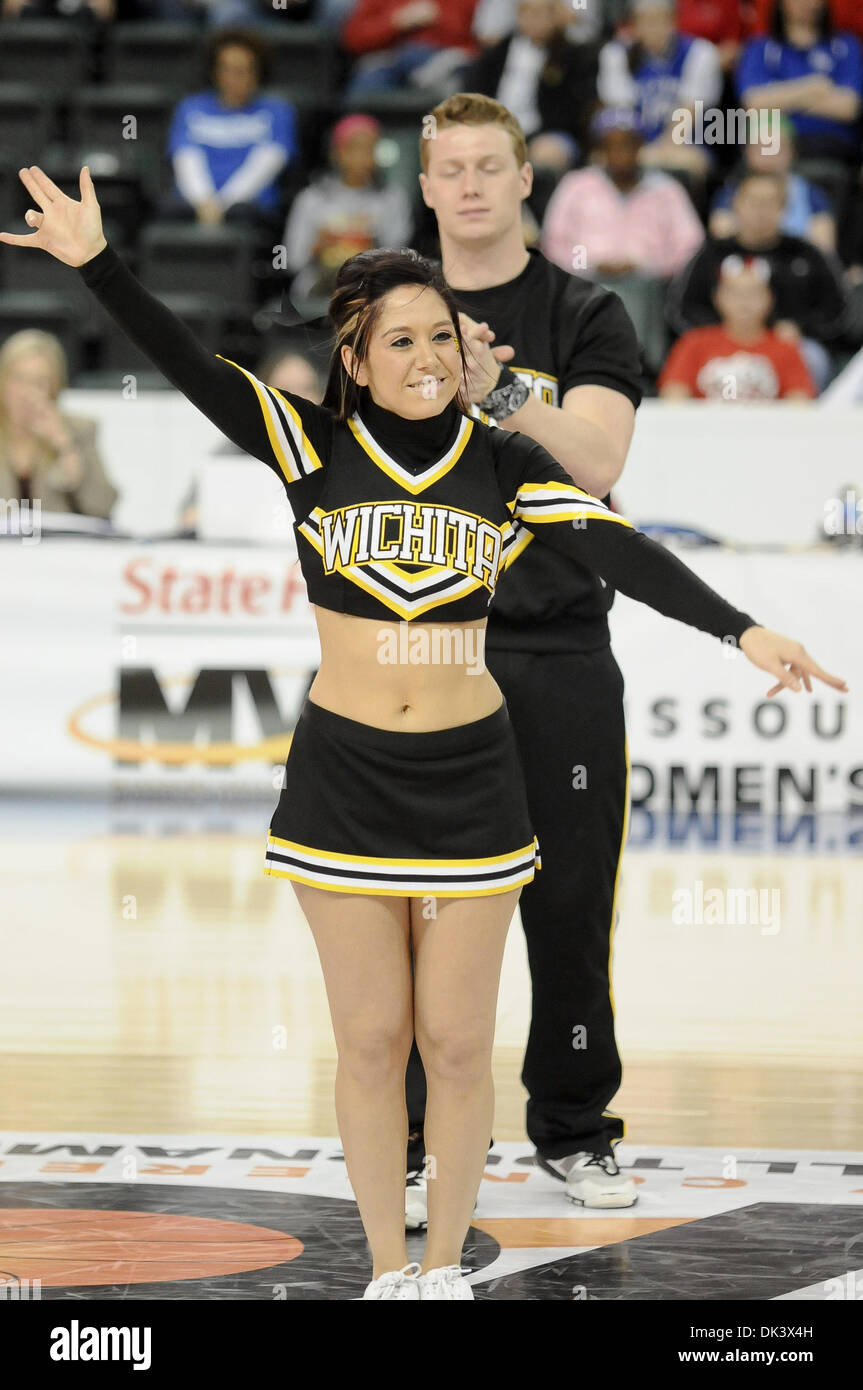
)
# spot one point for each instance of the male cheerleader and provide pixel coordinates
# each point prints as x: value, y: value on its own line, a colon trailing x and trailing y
x: 572, y: 383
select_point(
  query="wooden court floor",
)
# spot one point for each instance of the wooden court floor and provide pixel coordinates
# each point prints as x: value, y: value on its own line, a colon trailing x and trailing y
x: 162, y: 983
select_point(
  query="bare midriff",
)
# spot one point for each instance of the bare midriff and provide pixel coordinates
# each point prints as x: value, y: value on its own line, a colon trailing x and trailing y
x: 413, y: 677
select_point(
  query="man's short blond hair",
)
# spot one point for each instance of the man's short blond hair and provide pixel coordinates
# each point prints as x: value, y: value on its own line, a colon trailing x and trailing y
x: 471, y: 108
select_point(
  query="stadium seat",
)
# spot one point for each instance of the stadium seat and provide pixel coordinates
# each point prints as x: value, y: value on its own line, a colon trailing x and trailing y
x: 51, y: 52
x: 305, y: 60
x: 100, y: 121
x: 835, y: 178
x: 696, y: 185
x: 28, y: 114
x: 401, y: 107
x: 169, y: 52
x: 853, y: 334
x: 644, y: 301
x: 217, y: 260
x: 116, y: 354
x: 46, y: 309
x: 34, y: 271
x: 8, y: 194
x: 120, y: 194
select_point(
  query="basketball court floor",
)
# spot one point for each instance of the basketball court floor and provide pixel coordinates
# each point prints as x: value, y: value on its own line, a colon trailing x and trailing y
x: 167, y: 1127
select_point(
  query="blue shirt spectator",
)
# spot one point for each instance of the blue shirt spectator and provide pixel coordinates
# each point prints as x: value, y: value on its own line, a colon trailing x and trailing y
x: 657, y: 72
x: 232, y: 153
x: 815, y: 77
x: 659, y: 82
x: 803, y: 201
x: 808, y: 211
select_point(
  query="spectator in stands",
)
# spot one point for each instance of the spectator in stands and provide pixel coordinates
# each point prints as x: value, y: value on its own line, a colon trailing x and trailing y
x: 812, y: 73
x: 725, y: 23
x: 809, y: 300
x: 740, y: 358
x: 847, y: 16
x: 46, y: 454
x: 292, y: 371
x: 615, y: 218
x: 230, y: 144
x: 808, y: 212
x: 399, y: 42
x: 659, y: 72
x: 546, y: 81
x: 348, y: 210
x: 493, y: 20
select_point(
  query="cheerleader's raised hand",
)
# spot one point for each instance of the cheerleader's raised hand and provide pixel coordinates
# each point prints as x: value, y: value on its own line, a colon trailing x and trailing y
x: 68, y: 230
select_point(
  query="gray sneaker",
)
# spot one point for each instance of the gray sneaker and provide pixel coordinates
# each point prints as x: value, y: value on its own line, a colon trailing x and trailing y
x: 592, y: 1180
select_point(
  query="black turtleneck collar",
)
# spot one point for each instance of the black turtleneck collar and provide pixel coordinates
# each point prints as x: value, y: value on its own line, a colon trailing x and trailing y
x: 412, y: 443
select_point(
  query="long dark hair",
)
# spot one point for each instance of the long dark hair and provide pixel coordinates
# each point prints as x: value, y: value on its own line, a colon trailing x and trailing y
x: 778, y: 30
x: 355, y: 307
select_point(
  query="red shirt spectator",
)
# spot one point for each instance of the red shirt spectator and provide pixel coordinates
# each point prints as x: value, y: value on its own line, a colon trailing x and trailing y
x: 375, y: 25
x: 739, y: 359
x: 715, y: 366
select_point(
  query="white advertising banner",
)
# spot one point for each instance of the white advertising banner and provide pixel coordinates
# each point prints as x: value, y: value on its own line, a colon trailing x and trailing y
x: 748, y: 474
x: 181, y: 666
x: 703, y: 736
x: 172, y: 665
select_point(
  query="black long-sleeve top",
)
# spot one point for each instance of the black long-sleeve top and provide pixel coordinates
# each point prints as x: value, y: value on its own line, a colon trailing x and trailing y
x: 415, y: 518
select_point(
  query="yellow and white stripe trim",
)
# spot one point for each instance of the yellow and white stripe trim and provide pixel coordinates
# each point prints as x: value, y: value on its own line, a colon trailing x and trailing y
x: 405, y: 878
x: 554, y: 501
x: 412, y: 482
x: 292, y: 448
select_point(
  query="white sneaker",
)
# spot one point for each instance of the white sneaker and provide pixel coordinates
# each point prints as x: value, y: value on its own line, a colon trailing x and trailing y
x: 446, y: 1282
x: 592, y: 1180
x: 416, y: 1203
x: 396, y: 1283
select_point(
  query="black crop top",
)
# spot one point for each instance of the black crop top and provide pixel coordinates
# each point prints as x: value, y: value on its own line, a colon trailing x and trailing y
x: 381, y: 532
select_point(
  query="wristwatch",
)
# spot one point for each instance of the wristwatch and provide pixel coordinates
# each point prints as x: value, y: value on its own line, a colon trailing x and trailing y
x: 508, y: 396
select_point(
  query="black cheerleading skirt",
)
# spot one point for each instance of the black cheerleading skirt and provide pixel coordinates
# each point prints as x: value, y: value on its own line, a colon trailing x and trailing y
x: 438, y: 814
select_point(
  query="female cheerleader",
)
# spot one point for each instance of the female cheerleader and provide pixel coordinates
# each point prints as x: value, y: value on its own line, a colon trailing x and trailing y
x: 402, y: 819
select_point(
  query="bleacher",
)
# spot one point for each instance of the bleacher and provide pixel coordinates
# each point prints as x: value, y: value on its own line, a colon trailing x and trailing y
x: 104, y: 96
x: 69, y: 98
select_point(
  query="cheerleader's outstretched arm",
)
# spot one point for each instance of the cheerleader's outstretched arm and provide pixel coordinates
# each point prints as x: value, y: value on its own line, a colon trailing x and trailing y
x: 285, y: 431
x: 542, y: 496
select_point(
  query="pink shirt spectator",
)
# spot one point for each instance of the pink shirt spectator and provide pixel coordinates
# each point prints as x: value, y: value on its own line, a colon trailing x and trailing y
x: 653, y: 227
